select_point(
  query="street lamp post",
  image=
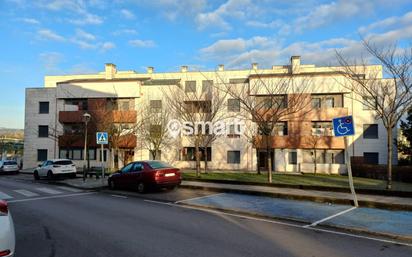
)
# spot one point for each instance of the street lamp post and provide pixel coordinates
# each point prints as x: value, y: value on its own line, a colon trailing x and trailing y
x: 86, y: 118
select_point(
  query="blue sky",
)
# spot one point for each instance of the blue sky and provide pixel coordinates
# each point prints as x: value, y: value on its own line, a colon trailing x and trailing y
x: 41, y: 38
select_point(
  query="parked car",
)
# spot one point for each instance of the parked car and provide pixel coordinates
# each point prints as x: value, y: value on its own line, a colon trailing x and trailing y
x: 9, y: 166
x: 7, y: 236
x: 143, y: 175
x: 55, y: 168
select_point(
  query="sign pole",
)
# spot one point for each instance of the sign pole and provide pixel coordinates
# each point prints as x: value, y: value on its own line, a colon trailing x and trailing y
x: 102, y: 138
x: 349, y: 167
x: 101, y: 159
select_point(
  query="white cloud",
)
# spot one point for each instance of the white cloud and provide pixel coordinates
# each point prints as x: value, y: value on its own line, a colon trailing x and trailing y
x: 107, y: 46
x: 81, y: 34
x: 142, y: 43
x: 125, y: 31
x: 127, y: 14
x: 30, y: 21
x: 46, y: 34
x: 51, y: 60
x: 87, y: 19
x: 388, y: 22
x: 271, y: 25
x: 83, y: 44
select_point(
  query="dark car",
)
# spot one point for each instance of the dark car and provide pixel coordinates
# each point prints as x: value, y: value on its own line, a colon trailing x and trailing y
x: 142, y: 175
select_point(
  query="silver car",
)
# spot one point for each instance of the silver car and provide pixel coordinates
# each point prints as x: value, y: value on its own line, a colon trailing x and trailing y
x: 9, y: 166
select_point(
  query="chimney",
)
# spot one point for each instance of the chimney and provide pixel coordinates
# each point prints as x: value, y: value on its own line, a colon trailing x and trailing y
x: 183, y: 69
x: 295, y: 64
x: 150, y: 70
x: 254, y: 66
x: 110, y: 70
x: 221, y: 67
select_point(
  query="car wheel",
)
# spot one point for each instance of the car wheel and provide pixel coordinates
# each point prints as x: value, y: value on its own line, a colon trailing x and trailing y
x: 50, y: 174
x: 112, y: 186
x: 141, y: 188
x: 73, y: 175
x: 36, y: 175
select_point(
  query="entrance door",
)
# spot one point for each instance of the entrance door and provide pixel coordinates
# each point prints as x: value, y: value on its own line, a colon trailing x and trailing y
x: 263, y: 164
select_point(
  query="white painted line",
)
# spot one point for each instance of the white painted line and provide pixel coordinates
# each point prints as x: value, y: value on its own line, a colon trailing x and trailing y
x: 283, y: 223
x: 48, y: 190
x: 200, y: 197
x: 5, y: 196
x: 120, y: 196
x: 70, y: 189
x: 49, y: 197
x: 331, y: 217
x: 26, y: 192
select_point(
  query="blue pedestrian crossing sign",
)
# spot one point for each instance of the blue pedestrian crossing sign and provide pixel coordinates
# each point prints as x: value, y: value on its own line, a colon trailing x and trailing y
x: 343, y: 126
x: 102, y: 138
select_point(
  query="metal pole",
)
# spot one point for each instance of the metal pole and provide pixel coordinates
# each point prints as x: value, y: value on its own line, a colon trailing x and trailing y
x: 348, y: 165
x: 101, y: 159
x: 85, y: 151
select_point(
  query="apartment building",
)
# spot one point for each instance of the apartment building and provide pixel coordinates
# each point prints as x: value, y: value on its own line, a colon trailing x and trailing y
x: 54, y: 122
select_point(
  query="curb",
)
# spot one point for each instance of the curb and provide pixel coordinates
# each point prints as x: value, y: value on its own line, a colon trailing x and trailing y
x: 318, y: 199
x: 308, y: 187
x: 407, y: 239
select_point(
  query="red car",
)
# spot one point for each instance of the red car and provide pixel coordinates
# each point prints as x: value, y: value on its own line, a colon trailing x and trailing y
x: 142, y: 175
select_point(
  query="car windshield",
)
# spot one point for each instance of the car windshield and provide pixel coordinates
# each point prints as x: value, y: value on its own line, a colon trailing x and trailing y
x: 10, y: 163
x: 64, y: 162
x: 158, y: 164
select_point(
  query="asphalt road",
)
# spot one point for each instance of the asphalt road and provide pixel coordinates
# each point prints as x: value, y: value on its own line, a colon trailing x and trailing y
x: 57, y: 221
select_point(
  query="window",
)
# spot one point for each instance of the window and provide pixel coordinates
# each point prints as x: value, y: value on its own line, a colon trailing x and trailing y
x: 188, y: 154
x: 127, y: 168
x: 82, y: 104
x: 233, y: 105
x: 324, y: 156
x: 158, y: 164
x: 233, y: 131
x: 137, y: 167
x: 43, y: 107
x: 371, y: 158
x: 41, y: 155
x: 316, y: 102
x: 152, y: 155
x: 272, y: 102
x: 92, y: 154
x: 77, y: 154
x: 293, y: 157
x: 119, y: 104
x: 155, y: 130
x: 156, y: 106
x: 63, y: 162
x: 206, y: 85
x: 329, y: 102
x: 281, y: 129
x: 198, y: 106
x: 369, y: 103
x: 370, y: 131
x: 43, y: 131
x: 233, y: 157
x: 190, y: 86
x: 322, y: 128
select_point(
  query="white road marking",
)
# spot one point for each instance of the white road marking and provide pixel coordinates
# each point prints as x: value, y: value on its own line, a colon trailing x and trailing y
x: 200, y: 197
x: 49, y: 197
x: 5, y: 196
x: 48, y: 190
x: 26, y: 192
x: 282, y: 223
x: 120, y: 196
x: 70, y: 189
x: 331, y: 217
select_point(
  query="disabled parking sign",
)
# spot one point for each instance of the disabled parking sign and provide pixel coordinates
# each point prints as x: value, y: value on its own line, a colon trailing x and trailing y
x: 343, y: 126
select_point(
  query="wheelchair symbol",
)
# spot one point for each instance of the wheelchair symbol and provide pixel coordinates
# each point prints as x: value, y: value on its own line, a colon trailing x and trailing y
x: 342, y: 129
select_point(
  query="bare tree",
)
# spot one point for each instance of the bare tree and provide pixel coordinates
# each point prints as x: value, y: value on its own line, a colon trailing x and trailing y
x: 387, y: 91
x: 268, y: 101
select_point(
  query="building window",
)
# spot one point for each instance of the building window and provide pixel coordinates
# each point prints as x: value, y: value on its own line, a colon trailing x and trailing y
x: 324, y: 156
x: 293, y: 157
x: 316, y: 102
x: 43, y: 131
x: 329, y: 102
x: 188, y: 154
x: 233, y: 131
x: 370, y: 131
x: 82, y: 104
x: 156, y: 106
x: 233, y: 157
x: 371, y: 158
x: 281, y: 129
x: 233, y: 105
x: 322, y: 128
x: 158, y: 155
x: 198, y: 106
x: 43, y: 107
x: 369, y: 103
x: 118, y: 104
x: 155, y: 130
x: 272, y: 102
x: 92, y: 154
x: 41, y: 155
x: 206, y: 85
x: 190, y: 86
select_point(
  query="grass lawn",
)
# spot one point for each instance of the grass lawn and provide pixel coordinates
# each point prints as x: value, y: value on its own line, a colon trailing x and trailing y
x: 305, y: 179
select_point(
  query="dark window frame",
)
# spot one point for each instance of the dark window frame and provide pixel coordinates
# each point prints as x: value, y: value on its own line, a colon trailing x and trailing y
x: 235, y: 159
x: 41, y: 153
x: 43, y: 131
x: 43, y: 109
x: 369, y: 131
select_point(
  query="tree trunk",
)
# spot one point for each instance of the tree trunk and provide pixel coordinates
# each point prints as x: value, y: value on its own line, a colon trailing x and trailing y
x: 316, y: 161
x: 389, y: 166
x: 269, y: 159
x: 205, y: 168
x: 116, y: 158
x: 258, y: 162
x: 197, y: 156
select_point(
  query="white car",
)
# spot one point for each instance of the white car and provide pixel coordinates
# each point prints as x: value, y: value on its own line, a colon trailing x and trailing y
x: 7, y: 236
x: 9, y: 166
x: 56, y: 167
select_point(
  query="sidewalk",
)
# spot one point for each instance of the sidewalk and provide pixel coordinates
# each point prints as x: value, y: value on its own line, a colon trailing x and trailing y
x: 374, y: 201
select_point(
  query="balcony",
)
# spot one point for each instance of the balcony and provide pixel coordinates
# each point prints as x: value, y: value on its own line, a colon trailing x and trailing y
x: 71, y: 116
x: 77, y: 141
x: 97, y: 115
x: 301, y: 142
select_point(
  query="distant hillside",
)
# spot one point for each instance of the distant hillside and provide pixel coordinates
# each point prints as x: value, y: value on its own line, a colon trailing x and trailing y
x: 12, y: 133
